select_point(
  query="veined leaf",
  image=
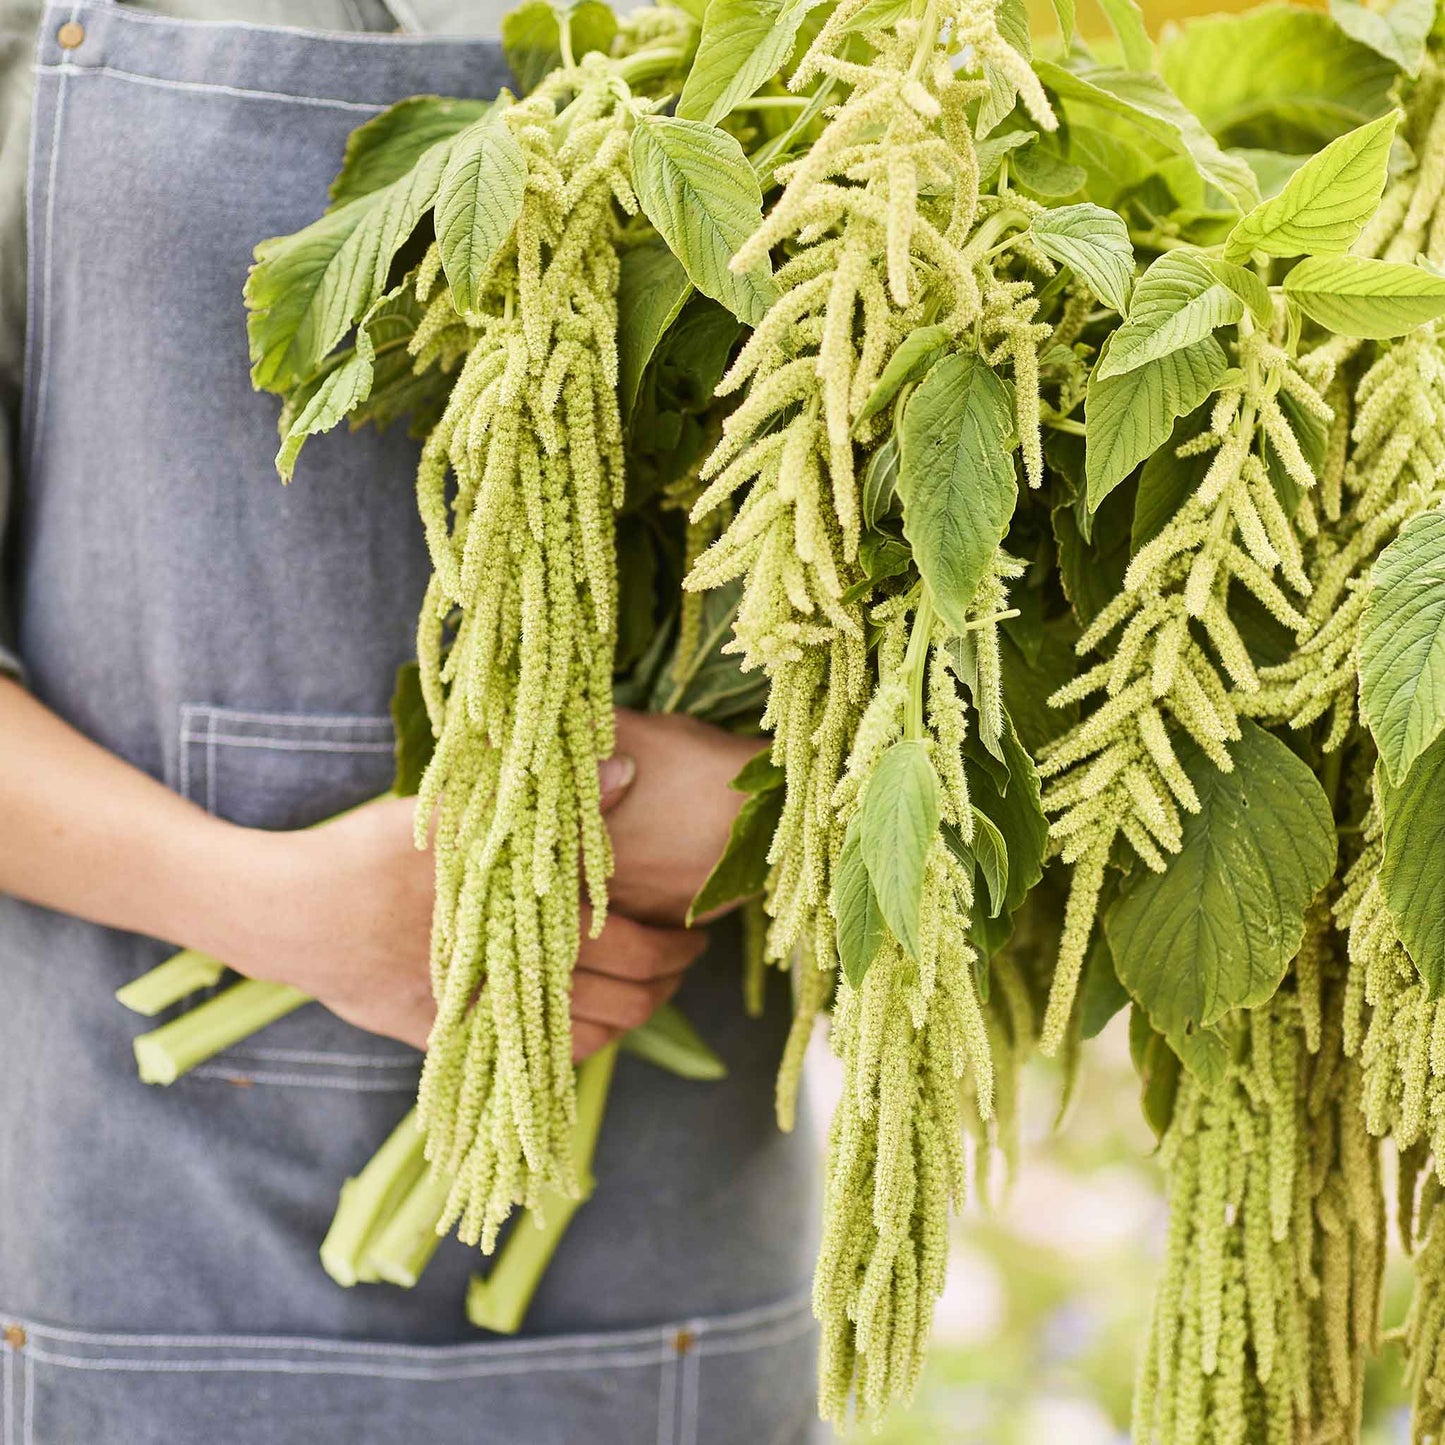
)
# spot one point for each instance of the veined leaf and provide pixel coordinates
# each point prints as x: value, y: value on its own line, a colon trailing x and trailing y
x: 532, y: 36
x: 477, y: 204
x: 1413, y: 813
x: 915, y: 354
x: 1177, y: 302
x: 861, y: 930
x: 1127, y: 418
x: 1147, y: 103
x: 1094, y: 243
x: 651, y: 292
x: 307, y: 290
x: 697, y: 188
x: 956, y: 478
x: 896, y: 829
x: 1043, y: 172
x: 1402, y: 645
x: 1216, y: 930
x: 990, y: 852
x: 742, y: 870
x: 1359, y: 296
x: 992, y: 151
x: 760, y: 774
x: 387, y: 146
x: 743, y: 45
x: 1324, y: 205
x: 343, y: 389
x: 1065, y: 11
x: 1397, y: 31
x: 1248, y: 286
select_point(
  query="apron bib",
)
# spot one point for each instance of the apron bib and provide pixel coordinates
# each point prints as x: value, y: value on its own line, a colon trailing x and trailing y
x: 159, y: 1278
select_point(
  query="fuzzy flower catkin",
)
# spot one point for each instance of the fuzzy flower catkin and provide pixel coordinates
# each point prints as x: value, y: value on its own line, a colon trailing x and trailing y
x: 518, y: 481
x: 884, y: 231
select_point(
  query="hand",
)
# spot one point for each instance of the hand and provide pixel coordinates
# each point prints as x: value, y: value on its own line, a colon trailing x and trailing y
x: 671, y: 828
x: 347, y: 919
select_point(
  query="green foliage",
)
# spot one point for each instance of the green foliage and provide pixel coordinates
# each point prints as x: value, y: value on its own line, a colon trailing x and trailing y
x: 1398, y: 31
x: 1325, y: 204
x: 899, y: 822
x: 861, y: 929
x: 956, y: 479
x: 744, y: 43
x: 1216, y: 930
x: 532, y: 36
x: 1361, y: 296
x: 1402, y: 646
x: 1177, y: 303
x: 1413, y: 812
x: 1095, y: 243
x: 386, y: 147
x: 697, y: 188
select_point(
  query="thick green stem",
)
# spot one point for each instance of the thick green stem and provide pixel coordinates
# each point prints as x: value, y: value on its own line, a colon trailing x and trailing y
x: 403, y: 1245
x: 370, y: 1199
x: 181, y: 975
x: 499, y: 1301
x: 166, y: 1053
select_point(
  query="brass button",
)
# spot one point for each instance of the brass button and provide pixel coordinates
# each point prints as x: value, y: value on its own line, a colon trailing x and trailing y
x: 683, y: 1341
x: 70, y: 35
x: 15, y: 1337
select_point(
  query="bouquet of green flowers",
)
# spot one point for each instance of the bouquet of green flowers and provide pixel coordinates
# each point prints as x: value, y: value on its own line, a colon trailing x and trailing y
x: 1046, y: 455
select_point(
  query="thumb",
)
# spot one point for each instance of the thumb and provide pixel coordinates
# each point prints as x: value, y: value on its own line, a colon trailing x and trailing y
x: 614, y: 778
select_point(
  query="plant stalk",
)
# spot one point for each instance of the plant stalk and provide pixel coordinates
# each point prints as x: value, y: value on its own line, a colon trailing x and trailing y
x: 164, y: 1054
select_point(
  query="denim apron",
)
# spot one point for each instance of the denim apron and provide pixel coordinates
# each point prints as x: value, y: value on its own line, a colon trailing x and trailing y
x: 159, y: 1278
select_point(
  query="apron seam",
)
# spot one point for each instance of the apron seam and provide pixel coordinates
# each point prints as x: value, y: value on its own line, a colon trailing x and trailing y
x: 431, y: 39
x: 66, y: 69
x: 9, y: 1387
x: 284, y: 719
x: 320, y: 1056
x: 42, y: 372
x: 28, y: 1423
x: 318, y: 1080
x: 778, y: 1313
x: 212, y: 739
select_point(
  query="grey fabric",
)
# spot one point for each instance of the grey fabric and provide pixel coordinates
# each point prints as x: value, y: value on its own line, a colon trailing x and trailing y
x: 237, y: 639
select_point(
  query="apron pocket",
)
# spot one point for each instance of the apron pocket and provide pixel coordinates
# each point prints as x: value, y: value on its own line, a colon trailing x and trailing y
x: 290, y: 770
x: 739, y: 1379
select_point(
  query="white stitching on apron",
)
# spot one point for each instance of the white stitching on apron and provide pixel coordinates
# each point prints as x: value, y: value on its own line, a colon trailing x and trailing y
x: 212, y: 738
x: 29, y: 1397
x: 302, y: 1081
x: 338, y: 1060
x: 344, y: 37
x: 713, y: 1331
x: 42, y: 389
x: 325, y: 103
x: 8, y: 1386
x: 667, y: 1397
x: 211, y: 764
x: 687, y: 1425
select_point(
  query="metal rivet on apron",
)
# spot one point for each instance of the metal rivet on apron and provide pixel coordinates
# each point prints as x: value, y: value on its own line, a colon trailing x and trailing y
x: 683, y: 1341
x: 70, y: 35
x: 15, y: 1336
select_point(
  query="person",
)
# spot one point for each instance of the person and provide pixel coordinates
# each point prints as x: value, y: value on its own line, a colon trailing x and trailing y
x: 198, y: 663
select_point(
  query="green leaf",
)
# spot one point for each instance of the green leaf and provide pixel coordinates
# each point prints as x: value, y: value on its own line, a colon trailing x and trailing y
x: 1205, y: 1053
x: 477, y: 204
x: 412, y: 728
x: 697, y: 188
x: 990, y: 852
x: 390, y: 144
x: 1218, y: 928
x: 1168, y: 480
x: 344, y: 388
x: 1128, y: 417
x: 1126, y: 20
x: 1397, y: 31
x: 991, y: 152
x: 1177, y: 302
x: 915, y: 354
x: 1247, y: 285
x: 1324, y: 205
x: 1065, y: 12
x: 1158, y: 1069
x: 669, y: 1042
x: 1094, y: 243
x: 861, y: 930
x: 744, y: 43
x: 1413, y: 812
x: 1042, y: 171
x: 1102, y: 995
x: 1150, y: 106
x: 1277, y: 77
x: 651, y: 292
x: 1091, y: 570
x: 760, y: 774
x: 956, y: 478
x: 307, y: 290
x: 532, y: 36
x: 742, y: 870
x: 880, y: 481
x: 1402, y: 645
x: 896, y: 829
x: 1272, y: 169
x: 1358, y: 296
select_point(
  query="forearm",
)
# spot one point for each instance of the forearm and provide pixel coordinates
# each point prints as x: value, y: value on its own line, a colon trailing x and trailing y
x: 84, y: 832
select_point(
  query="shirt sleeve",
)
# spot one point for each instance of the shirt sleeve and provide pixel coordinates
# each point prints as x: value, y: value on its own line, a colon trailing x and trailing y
x: 17, y: 49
